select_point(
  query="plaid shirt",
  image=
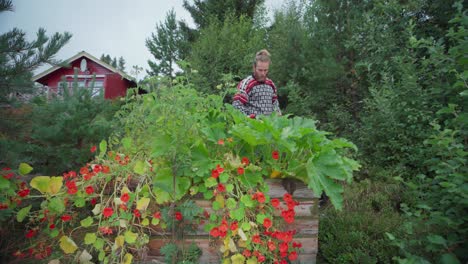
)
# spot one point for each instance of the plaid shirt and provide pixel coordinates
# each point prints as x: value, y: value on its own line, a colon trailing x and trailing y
x: 256, y: 97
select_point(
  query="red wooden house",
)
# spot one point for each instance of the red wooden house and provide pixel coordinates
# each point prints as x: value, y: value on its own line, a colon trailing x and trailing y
x: 90, y: 72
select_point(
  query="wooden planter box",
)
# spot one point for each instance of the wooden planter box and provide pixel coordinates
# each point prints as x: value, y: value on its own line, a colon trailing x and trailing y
x: 306, y: 225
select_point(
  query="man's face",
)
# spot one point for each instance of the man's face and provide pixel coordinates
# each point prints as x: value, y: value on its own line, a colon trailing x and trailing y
x: 261, y: 71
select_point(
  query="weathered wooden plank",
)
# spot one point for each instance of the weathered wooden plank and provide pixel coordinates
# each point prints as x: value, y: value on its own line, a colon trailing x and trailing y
x: 303, y: 227
x: 300, y: 189
x: 305, y: 208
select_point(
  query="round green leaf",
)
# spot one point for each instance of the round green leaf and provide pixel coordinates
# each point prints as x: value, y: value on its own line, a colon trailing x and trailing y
x: 23, y: 213
x: 130, y: 237
x: 24, y: 168
x: 88, y: 221
x: 90, y: 238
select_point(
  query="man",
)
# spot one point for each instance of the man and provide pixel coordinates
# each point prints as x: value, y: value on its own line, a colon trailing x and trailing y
x: 256, y: 93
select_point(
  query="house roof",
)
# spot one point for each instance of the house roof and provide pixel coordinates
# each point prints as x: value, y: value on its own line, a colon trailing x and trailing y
x: 77, y: 56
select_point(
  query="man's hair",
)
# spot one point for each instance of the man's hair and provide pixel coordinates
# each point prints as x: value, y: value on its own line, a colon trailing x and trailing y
x: 263, y: 56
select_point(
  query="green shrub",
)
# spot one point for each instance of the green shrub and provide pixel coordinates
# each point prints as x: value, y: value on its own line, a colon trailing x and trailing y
x: 357, y: 233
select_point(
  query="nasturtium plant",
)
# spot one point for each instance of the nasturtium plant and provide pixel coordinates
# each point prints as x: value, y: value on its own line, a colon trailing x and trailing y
x: 172, y: 145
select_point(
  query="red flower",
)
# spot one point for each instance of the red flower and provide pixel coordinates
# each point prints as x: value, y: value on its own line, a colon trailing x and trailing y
x: 291, y: 204
x: 234, y: 226
x: 66, y: 218
x: 93, y: 201
x: 23, y: 192
x: 89, y: 189
x: 296, y: 245
x: 292, y: 256
x: 271, y: 245
x: 52, y: 226
x: 267, y: 223
x: 215, y: 173
x: 256, y: 239
x: 221, y: 142
x: 9, y: 175
x: 245, y: 161
x: 107, y: 212
x: 31, y: 233
x: 84, y: 170
x: 123, y: 207
x: 288, y: 216
x: 71, y: 185
x: 252, y: 116
x: 136, y: 213
x: 157, y: 215
x: 261, y: 258
x: 125, y: 197
x: 214, y: 232
x: 88, y: 176
x: 219, y: 168
x: 105, y: 230
x: 93, y: 149
x: 221, y: 187
x: 275, y: 155
x: 178, y: 216
x: 283, y: 247
x: 247, y: 253
x: 105, y: 169
x: 97, y: 168
x: 240, y: 170
x: 287, y: 197
x: 259, y: 196
x: 275, y: 202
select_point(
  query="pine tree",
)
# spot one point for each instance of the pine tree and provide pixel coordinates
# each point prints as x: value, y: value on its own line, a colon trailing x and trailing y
x: 204, y: 10
x: 121, y: 65
x: 19, y: 57
x: 167, y: 45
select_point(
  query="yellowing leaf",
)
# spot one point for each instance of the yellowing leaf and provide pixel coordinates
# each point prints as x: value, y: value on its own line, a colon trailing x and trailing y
x: 119, y: 241
x: 55, y: 184
x: 127, y: 258
x: 90, y: 238
x: 143, y: 203
x: 97, y: 209
x: 275, y: 174
x: 24, y: 168
x: 252, y: 260
x: 46, y: 184
x: 145, y: 222
x: 139, y: 167
x: 67, y: 245
x: 237, y: 259
x: 130, y: 237
x: 85, y: 257
x: 40, y: 183
x: 220, y: 199
x: 232, y: 245
x: 242, y: 234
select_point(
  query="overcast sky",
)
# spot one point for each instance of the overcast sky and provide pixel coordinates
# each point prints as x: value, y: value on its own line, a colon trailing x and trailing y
x: 114, y: 27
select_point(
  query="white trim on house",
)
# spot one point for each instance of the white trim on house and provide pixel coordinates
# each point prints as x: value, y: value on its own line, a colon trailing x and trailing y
x: 85, y: 76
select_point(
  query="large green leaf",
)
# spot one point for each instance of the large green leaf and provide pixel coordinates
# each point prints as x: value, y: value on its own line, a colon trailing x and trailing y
x: 318, y: 182
x: 56, y: 205
x: 47, y: 184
